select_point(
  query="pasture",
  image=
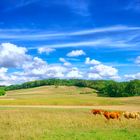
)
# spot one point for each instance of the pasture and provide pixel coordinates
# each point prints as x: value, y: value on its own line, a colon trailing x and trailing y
x: 63, y: 95
x: 64, y: 113
x: 63, y: 124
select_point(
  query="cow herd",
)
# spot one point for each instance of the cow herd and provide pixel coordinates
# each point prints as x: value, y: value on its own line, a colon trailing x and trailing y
x: 116, y: 115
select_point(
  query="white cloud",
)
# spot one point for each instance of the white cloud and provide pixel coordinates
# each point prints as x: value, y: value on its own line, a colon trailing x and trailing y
x: 33, y: 68
x: 3, y: 72
x: 137, y: 61
x: 12, y: 55
x: 101, y: 71
x: 45, y: 50
x: 12, y: 78
x: 104, y: 71
x: 18, y: 77
x: 116, y: 28
x: 74, y: 73
x: 40, y: 69
x: 92, y: 62
x: 109, y: 42
x: 94, y: 76
x: 56, y: 71
x: 27, y: 34
x: 65, y: 62
x: 76, y: 53
x: 132, y: 76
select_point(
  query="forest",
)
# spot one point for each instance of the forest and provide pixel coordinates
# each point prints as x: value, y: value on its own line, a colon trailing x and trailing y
x: 108, y: 88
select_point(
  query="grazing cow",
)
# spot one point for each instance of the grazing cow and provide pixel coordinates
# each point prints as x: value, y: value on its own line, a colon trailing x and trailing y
x: 96, y: 111
x: 111, y: 115
x: 107, y: 115
x: 131, y: 115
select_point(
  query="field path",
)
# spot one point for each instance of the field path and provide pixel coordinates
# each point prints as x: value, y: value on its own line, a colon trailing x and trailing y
x: 113, y: 107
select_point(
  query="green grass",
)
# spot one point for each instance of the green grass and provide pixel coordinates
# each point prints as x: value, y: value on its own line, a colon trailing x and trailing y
x: 63, y: 124
x: 49, y: 95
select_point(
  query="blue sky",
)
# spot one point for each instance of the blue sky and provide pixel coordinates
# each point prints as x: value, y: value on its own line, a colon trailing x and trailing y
x: 86, y: 39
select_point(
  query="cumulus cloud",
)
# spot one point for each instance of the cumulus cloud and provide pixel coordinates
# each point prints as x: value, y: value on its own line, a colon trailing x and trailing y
x: 91, y: 62
x: 40, y: 69
x: 12, y: 78
x: 137, y: 61
x: 132, y: 76
x: 65, y: 62
x: 18, y: 77
x: 33, y: 68
x: 36, y: 67
x: 94, y: 76
x: 56, y: 71
x: 101, y: 71
x: 12, y: 55
x: 76, y: 53
x: 3, y: 72
x: 74, y: 73
x: 104, y: 72
x: 45, y: 50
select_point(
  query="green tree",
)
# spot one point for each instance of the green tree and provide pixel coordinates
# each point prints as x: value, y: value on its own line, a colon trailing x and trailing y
x: 133, y: 87
x: 2, y: 92
x: 116, y: 89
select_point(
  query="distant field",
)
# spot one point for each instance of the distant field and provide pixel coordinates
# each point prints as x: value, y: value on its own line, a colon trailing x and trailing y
x: 63, y: 95
x: 63, y: 124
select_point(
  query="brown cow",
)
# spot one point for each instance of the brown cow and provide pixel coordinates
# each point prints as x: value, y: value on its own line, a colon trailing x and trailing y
x: 111, y: 115
x: 96, y: 111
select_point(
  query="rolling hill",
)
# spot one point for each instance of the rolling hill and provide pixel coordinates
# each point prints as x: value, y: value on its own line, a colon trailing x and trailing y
x: 62, y: 95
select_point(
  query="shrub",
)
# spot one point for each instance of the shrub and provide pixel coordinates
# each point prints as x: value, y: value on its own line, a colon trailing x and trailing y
x: 86, y: 92
x: 2, y: 92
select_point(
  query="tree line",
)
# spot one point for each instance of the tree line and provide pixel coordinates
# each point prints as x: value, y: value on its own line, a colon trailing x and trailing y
x: 108, y: 88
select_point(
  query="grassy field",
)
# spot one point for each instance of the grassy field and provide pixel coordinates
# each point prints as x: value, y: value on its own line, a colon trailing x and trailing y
x: 33, y: 123
x: 49, y: 95
x: 63, y: 124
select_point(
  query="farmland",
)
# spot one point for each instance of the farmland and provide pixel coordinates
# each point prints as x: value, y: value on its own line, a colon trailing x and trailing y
x: 63, y: 113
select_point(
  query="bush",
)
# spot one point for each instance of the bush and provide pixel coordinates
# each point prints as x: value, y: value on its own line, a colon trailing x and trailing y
x: 86, y: 92
x: 2, y: 92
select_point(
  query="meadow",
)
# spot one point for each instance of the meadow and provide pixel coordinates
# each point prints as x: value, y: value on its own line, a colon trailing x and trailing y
x: 63, y: 124
x: 62, y: 95
x: 33, y: 123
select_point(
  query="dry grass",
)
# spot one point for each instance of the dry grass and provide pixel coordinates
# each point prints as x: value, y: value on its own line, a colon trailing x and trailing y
x: 49, y: 95
x: 62, y: 124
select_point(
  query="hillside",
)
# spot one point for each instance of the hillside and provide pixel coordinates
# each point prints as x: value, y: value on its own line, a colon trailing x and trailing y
x: 62, y: 95
x: 106, y: 88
